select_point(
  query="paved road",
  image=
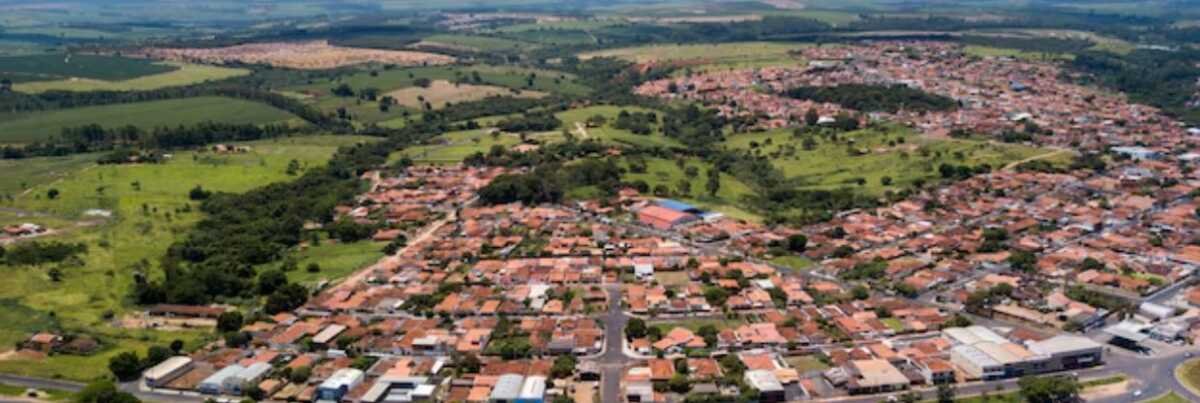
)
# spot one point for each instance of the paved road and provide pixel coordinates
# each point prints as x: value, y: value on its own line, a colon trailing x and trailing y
x: 69, y: 386
x: 613, y: 361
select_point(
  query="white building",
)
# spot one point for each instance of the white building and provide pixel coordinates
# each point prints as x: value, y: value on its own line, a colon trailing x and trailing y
x: 166, y: 371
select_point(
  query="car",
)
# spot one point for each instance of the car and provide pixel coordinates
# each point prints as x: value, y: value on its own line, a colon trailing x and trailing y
x: 1137, y: 393
x: 1188, y: 354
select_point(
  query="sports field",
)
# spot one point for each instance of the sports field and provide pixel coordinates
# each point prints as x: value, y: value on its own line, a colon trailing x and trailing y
x: 150, y: 209
x: 183, y: 74
x: 30, y: 127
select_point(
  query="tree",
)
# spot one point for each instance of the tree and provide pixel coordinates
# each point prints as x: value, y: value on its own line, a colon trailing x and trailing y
x: 811, y: 117
x: 714, y: 182
x: 6, y: 85
x: 176, y: 346
x: 270, y: 280
x: 313, y: 268
x: 300, y: 374
x: 293, y: 167
x: 945, y: 393
x: 229, y: 321
x: 563, y: 367
x: 797, y: 243
x: 286, y: 298
x: 343, y: 90
x: 684, y: 187
x: 1049, y: 389
x: 1022, y: 260
x: 423, y: 82
x: 635, y: 329
x: 52, y: 193
x: 679, y: 384
x: 125, y: 366
x: 860, y: 292
x: 469, y: 364
x: 103, y: 391
x: 156, y: 355
x: 198, y: 193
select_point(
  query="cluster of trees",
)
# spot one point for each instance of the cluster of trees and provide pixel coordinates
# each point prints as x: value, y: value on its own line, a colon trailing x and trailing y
x: 548, y: 183
x: 131, y: 140
x: 875, y: 98
x: 36, y: 253
x: 530, y: 122
x: 636, y: 122
x: 1164, y: 79
x: 128, y: 366
x: 695, y: 127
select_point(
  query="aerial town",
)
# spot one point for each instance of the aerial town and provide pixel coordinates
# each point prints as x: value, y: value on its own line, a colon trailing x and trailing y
x: 553, y: 201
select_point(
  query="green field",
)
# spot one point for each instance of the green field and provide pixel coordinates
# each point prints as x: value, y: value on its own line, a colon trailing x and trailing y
x: 22, y: 174
x: 54, y: 66
x: 796, y: 263
x: 805, y: 363
x: 1188, y: 374
x: 579, y: 25
x: 484, y: 43
x: 150, y: 209
x: 453, y: 147
x: 184, y: 74
x: 695, y: 324
x: 710, y: 57
x: 553, y: 37
x: 609, y: 134
x: 1169, y: 397
x: 667, y: 173
x: 988, y: 51
x: 336, y: 260
x: 896, y: 153
x: 30, y: 127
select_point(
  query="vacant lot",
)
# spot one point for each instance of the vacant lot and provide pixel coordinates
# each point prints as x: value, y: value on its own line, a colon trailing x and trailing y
x: 336, y: 260
x: 667, y: 175
x: 573, y: 118
x: 452, y: 148
x: 37, y: 126
x: 893, y: 155
x: 56, y: 66
x: 441, y: 92
x: 23, y: 174
x: 150, y: 209
x: 184, y: 74
x: 709, y: 57
x: 299, y: 55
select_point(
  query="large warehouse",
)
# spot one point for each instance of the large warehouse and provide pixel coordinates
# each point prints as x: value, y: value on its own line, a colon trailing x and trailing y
x: 983, y: 354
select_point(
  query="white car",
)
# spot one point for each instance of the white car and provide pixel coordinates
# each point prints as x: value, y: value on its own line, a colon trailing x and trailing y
x: 1137, y: 393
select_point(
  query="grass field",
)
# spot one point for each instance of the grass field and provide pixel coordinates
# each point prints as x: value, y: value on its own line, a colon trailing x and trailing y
x: 337, y: 260
x: 184, y: 74
x: 607, y: 132
x: 22, y: 174
x: 151, y: 209
x: 667, y: 173
x: 580, y: 25
x: 796, y: 263
x: 709, y: 57
x: 553, y: 37
x: 988, y: 51
x: 1169, y: 397
x: 484, y: 43
x: 1188, y: 374
x: 54, y: 66
x: 805, y: 363
x: 441, y: 92
x: 672, y: 279
x: 455, y: 146
x: 895, y: 153
x: 695, y: 324
x: 37, y: 126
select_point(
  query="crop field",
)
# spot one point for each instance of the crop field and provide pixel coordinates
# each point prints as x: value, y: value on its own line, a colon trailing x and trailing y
x: 667, y: 173
x: 20, y: 175
x: 30, y: 127
x: 183, y: 74
x: 150, y: 209
x: 579, y: 25
x: 574, y: 118
x: 312, y: 55
x: 441, y: 92
x: 553, y: 37
x: 56, y: 66
x: 724, y: 56
x: 476, y: 42
x: 872, y: 155
x: 508, y: 77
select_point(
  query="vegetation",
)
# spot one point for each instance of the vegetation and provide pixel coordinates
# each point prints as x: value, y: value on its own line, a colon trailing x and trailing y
x: 875, y: 98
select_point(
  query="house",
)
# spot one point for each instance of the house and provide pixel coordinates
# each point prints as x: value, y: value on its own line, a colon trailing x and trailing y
x: 336, y: 386
x: 507, y: 389
x: 874, y: 376
x: 215, y: 383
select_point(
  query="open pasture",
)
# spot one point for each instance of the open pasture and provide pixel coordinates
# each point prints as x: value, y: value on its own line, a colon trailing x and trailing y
x: 441, y: 92
x: 57, y: 66
x: 183, y: 74
x: 709, y: 57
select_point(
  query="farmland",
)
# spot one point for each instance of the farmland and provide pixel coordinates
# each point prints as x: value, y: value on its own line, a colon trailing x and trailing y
x: 183, y: 74
x: 30, y: 127
x: 303, y: 55
x: 441, y: 92
x: 707, y: 57
x: 150, y: 209
x: 479, y: 43
x: 55, y: 66
x: 452, y: 148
